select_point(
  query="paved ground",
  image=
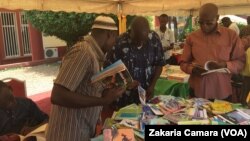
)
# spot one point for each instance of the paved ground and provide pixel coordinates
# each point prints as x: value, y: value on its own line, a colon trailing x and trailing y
x: 38, y: 78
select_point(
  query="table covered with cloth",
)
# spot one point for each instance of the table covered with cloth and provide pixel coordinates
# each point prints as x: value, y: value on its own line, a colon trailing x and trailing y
x: 171, y: 87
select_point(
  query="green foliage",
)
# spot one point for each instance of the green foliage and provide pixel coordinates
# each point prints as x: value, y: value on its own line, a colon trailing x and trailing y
x: 150, y: 21
x: 129, y: 20
x: 188, y: 28
x: 241, y: 26
x: 66, y: 26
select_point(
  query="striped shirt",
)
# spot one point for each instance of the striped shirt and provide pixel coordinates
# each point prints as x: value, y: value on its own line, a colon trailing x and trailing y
x: 78, y: 66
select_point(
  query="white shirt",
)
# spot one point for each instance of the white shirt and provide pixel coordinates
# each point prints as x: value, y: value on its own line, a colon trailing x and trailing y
x: 235, y: 28
x: 166, y: 38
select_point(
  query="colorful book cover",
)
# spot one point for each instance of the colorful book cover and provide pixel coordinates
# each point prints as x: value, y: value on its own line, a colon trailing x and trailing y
x: 120, y: 135
x: 131, y: 123
x: 116, y: 74
x: 234, y: 117
x: 129, y: 112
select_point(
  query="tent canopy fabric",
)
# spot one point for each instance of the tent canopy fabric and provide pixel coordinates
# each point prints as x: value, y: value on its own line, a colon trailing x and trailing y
x: 129, y: 7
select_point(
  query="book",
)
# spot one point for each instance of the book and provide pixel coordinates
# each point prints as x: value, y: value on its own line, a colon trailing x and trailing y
x: 177, y: 117
x: 208, y: 70
x: 129, y: 112
x: 156, y: 110
x: 38, y: 133
x: 235, y: 117
x: 119, y: 135
x: 131, y: 123
x: 116, y: 74
x: 245, y: 112
x: 173, y: 72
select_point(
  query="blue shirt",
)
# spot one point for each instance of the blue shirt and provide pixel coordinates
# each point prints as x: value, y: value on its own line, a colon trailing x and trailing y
x: 141, y: 62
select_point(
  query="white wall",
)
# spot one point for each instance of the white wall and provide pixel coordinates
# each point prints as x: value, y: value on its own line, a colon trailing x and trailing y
x: 52, y: 41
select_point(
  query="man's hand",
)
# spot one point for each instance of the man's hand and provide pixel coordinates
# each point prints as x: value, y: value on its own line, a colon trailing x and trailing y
x: 149, y: 93
x: 216, y: 65
x: 112, y: 94
x: 198, y: 71
x: 133, y: 85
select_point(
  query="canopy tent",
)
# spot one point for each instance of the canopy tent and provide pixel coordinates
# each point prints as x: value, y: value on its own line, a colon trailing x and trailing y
x: 130, y: 7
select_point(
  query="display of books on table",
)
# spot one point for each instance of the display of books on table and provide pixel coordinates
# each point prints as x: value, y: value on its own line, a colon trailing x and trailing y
x: 115, y: 74
x: 133, y: 118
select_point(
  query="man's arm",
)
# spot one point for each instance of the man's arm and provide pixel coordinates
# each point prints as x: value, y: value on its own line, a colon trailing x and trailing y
x: 172, y: 39
x: 186, y: 62
x: 246, y: 41
x: 238, y: 57
x: 158, y: 63
x: 156, y: 75
x: 64, y: 97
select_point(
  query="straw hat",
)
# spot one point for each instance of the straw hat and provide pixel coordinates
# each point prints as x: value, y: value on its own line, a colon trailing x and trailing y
x: 104, y: 22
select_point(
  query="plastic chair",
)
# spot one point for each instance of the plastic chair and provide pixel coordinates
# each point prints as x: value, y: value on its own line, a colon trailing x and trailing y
x: 18, y: 86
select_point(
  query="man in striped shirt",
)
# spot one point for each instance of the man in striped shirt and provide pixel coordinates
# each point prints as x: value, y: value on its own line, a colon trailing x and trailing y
x: 76, y: 102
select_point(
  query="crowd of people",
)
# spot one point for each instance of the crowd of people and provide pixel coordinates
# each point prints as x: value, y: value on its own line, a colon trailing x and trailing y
x: 77, y: 103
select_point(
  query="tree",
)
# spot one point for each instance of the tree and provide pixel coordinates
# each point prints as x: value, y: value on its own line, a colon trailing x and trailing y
x: 65, y: 26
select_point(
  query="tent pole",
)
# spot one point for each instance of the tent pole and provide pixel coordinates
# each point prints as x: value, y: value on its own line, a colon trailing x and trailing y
x: 121, y: 18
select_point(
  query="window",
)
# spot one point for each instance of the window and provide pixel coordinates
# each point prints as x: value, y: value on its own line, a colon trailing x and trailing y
x: 25, y: 34
x: 10, y: 36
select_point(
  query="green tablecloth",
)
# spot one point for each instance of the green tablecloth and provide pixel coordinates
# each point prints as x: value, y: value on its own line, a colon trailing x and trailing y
x: 170, y: 87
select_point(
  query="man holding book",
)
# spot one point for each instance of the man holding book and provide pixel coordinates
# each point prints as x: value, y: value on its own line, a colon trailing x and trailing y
x: 77, y: 102
x: 141, y: 51
x: 219, y: 45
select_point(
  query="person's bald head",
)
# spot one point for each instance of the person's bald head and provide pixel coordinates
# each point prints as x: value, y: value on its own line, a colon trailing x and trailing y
x: 208, y: 17
x: 140, y: 29
x: 209, y: 10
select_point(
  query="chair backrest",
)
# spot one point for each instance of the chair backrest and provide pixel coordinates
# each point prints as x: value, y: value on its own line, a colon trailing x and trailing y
x: 18, y: 86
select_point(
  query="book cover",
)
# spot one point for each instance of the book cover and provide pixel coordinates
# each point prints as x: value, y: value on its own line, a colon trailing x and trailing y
x: 38, y: 134
x: 129, y: 112
x: 115, y: 74
x: 234, y: 117
x: 177, y: 117
x: 245, y: 112
x: 130, y: 123
x: 156, y: 110
x: 119, y: 135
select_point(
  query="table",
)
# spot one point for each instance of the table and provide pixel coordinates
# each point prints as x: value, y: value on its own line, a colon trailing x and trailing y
x: 173, y: 81
x: 171, y: 87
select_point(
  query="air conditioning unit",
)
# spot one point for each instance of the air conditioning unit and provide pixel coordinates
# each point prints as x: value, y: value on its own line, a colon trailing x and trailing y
x: 51, y: 52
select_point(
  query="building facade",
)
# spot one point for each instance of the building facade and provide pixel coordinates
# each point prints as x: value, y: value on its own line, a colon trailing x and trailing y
x: 19, y: 40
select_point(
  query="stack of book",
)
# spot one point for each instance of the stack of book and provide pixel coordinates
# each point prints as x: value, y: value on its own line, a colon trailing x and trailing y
x: 172, y: 72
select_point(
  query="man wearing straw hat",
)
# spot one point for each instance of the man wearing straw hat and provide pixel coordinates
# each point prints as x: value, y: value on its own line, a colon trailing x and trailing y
x: 76, y: 102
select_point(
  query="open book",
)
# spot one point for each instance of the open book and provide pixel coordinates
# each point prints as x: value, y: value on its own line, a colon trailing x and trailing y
x: 221, y: 70
x: 38, y: 133
x: 116, y: 73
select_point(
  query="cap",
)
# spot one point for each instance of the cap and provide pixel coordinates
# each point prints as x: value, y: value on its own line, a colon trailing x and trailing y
x: 104, y: 22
